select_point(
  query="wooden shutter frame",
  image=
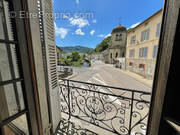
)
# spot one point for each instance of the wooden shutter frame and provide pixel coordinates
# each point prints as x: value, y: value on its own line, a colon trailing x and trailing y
x: 166, y: 42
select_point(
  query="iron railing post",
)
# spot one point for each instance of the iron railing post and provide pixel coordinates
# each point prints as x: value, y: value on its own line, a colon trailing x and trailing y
x: 69, y: 104
x: 93, y: 102
x: 131, y: 113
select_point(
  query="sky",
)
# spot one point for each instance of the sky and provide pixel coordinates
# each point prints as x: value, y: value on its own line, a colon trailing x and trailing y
x: 88, y: 22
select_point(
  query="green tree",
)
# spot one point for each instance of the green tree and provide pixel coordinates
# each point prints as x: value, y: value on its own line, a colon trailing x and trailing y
x: 103, y: 45
x: 75, y: 56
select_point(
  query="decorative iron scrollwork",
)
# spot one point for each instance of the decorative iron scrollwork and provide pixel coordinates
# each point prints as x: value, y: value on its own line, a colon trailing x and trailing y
x: 117, y: 110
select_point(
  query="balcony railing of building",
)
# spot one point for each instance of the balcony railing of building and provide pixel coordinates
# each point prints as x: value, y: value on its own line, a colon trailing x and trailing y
x: 117, y: 110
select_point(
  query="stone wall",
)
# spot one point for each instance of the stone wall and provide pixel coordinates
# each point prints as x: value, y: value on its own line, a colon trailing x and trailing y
x: 148, y: 72
x: 118, y: 42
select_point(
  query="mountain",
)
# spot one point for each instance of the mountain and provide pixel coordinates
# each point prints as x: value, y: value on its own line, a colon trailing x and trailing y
x: 80, y: 49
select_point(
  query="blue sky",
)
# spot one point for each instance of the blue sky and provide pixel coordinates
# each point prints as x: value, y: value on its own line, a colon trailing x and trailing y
x: 88, y: 22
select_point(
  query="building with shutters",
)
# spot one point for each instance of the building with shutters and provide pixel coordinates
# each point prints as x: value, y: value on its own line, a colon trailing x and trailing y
x: 142, y: 46
x: 117, y: 48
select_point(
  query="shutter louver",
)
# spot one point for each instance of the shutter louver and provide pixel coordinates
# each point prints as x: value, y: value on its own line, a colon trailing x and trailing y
x: 50, y: 57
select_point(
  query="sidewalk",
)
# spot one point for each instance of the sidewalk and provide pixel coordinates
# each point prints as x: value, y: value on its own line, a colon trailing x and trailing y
x: 137, y: 77
x: 69, y: 77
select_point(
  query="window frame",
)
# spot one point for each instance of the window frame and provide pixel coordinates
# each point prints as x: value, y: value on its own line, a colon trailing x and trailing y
x: 143, y: 52
x: 131, y: 64
x: 23, y: 40
x: 140, y: 68
x: 145, y: 34
x: 131, y: 53
x: 158, y: 29
x: 155, y: 51
x: 133, y: 40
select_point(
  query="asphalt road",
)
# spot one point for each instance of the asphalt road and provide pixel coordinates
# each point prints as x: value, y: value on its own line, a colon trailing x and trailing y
x: 100, y: 73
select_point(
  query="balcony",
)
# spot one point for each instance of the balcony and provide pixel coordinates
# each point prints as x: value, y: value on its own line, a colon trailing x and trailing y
x: 102, y: 109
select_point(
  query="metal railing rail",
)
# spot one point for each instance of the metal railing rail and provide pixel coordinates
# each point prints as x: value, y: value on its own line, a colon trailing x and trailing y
x: 118, y: 110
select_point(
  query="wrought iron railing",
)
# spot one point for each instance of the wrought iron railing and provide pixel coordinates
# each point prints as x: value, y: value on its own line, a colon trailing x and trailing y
x: 118, y: 110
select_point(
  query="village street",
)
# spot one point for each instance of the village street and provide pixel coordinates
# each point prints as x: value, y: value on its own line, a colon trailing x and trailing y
x: 105, y: 74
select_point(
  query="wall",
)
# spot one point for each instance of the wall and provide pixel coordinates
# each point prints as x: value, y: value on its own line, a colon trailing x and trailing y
x: 149, y: 61
x: 115, y: 42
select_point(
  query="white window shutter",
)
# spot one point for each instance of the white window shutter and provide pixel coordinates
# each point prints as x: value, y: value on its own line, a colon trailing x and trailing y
x: 50, y: 52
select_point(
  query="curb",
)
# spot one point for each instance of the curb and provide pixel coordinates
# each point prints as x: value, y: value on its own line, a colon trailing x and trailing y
x: 73, y: 75
x: 69, y: 77
x: 132, y: 77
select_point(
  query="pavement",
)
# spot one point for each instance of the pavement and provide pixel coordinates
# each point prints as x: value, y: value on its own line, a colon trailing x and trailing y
x: 137, y: 77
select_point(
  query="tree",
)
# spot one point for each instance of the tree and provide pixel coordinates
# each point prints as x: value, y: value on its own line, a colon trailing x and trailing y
x: 75, y: 56
x: 103, y: 45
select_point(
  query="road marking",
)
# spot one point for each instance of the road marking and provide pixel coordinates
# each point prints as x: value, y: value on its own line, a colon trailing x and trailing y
x: 99, y: 80
x: 97, y: 74
x: 111, y: 97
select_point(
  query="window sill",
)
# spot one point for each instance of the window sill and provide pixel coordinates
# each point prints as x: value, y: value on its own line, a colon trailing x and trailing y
x: 141, y: 69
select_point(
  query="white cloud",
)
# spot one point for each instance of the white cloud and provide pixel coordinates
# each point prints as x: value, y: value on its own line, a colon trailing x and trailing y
x: 107, y: 35
x: 101, y: 35
x: 62, y: 32
x: 79, y: 32
x: 94, y: 21
x: 77, y: 1
x: 80, y: 22
x: 92, y: 32
x: 134, y: 25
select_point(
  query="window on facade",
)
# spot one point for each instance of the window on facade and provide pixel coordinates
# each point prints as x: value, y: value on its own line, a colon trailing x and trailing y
x: 143, y: 52
x: 141, y: 67
x: 131, y: 53
x: 158, y: 29
x: 155, y: 50
x: 111, y: 55
x: 133, y: 39
x: 118, y: 37
x: 116, y: 55
x: 130, y: 64
x: 145, y: 35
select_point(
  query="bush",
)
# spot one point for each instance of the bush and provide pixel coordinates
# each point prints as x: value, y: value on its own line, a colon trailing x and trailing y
x: 72, y: 60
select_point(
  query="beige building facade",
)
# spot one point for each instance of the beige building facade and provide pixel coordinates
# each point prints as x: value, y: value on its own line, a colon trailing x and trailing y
x: 117, y: 49
x: 142, y: 46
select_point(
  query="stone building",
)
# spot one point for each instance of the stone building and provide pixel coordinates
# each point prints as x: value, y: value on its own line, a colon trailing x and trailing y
x: 142, y: 46
x: 59, y: 52
x: 105, y: 55
x: 117, y: 49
